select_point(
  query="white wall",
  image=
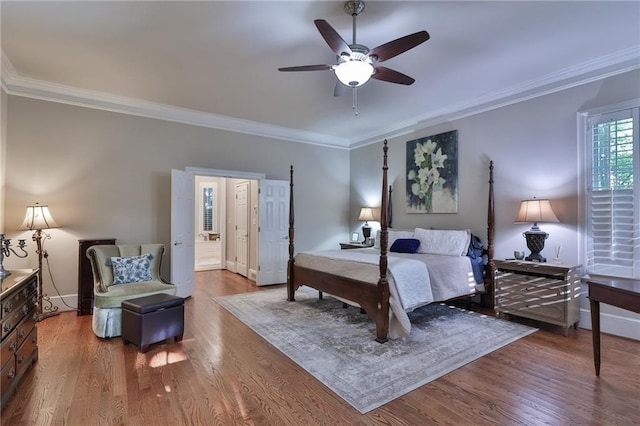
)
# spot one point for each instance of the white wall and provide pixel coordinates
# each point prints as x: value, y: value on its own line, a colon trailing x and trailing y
x: 534, y: 146
x: 106, y: 174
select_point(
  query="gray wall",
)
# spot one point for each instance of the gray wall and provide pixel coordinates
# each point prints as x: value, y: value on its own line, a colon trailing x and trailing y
x: 106, y: 174
x: 534, y: 147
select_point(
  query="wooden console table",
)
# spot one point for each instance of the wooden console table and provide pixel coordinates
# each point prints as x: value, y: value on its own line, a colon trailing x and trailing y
x: 621, y: 293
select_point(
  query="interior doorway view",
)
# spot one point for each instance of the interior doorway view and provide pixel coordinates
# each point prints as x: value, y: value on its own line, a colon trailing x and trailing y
x: 221, y: 219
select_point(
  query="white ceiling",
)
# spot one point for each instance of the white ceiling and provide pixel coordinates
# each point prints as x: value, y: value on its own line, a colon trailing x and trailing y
x: 214, y: 63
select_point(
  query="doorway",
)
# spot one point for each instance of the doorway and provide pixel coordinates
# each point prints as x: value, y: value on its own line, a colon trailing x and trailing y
x: 266, y: 219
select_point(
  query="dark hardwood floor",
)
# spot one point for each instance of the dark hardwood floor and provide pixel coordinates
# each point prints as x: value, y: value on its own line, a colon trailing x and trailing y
x: 222, y: 373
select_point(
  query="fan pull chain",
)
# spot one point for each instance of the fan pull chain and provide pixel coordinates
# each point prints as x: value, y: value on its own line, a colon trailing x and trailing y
x: 355, y: 101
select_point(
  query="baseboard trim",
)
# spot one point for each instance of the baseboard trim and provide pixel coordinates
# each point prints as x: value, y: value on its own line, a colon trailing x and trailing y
x: 59, y: 302
x: 613, y: 324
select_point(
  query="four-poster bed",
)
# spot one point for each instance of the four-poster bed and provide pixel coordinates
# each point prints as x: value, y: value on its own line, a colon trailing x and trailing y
x: 373, y: 294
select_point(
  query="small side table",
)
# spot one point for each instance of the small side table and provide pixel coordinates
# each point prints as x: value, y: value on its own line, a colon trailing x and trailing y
x: 347, y: 246
x: 622, y: 293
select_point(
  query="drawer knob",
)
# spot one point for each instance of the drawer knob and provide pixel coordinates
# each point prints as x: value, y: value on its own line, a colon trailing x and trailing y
x: 13, y: 345
x: 12, y: 373
x: 8, y: 307
x: 7, y: 326
x: 21, y: 333
x: 21, y: 359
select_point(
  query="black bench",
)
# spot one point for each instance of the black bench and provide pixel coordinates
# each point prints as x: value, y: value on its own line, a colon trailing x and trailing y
x: 152, y: 319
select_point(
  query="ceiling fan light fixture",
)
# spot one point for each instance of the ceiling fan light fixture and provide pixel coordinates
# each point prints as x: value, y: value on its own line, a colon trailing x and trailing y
x: 354, y: 73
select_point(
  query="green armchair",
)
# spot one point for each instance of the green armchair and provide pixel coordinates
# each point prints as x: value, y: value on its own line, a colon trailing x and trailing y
x: 108, y: 296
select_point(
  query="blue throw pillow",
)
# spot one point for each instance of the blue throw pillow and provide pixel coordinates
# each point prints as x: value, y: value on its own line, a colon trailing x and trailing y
x: 405, y: 245
x: 131, y: 269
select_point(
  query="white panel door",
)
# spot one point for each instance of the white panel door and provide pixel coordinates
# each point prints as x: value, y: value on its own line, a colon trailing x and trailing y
x: 242, y: 228
x: 182, y: 231
x: 274, y: 232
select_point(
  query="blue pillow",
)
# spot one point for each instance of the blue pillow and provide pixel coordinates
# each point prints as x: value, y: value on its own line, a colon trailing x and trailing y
x: 131, y: 269
x: 405, y: 245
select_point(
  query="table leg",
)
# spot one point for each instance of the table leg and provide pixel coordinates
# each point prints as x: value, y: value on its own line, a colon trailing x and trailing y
x: 595, y: 331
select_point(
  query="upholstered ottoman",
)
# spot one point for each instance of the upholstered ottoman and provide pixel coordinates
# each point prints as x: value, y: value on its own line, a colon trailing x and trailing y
x: 152, y: 319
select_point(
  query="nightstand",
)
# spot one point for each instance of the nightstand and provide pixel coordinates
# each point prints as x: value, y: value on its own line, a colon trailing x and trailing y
x: 540, y: 291
x: 346, y: 246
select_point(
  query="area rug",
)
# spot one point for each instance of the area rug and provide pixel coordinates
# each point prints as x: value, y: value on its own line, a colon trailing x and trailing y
x: 337, y: 346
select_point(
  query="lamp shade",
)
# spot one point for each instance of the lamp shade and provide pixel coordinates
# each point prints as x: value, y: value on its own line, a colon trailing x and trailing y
x: 366, y: 214
x: 37, y: 217
x: 535, y: 211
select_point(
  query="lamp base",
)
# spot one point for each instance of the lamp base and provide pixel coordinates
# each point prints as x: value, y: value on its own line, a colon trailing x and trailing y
x: 535, y: 257
x: 535, y: 242
x: 366, y: 233
x: 44, y: 315
x: 45, y: 312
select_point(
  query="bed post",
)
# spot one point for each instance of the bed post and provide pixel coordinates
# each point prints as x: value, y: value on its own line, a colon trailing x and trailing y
x: 389, y: 208
x: 291, y: 291
x: 490, y: 269
x: 382, y: 317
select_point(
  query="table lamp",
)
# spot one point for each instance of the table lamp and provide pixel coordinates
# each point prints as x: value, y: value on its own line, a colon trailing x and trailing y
x: 366, y: 214
x: 535, y: 211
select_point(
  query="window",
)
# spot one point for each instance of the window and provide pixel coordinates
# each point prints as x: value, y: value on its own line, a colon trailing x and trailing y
x: 207, y: 209
x: 206, y: 195
x: 613, y: 193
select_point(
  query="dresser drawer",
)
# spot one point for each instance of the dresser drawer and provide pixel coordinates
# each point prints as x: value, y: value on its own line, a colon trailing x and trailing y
x: 11, y: 321
x: 27, y: 351
x: 9, y: 347
x: 10, y: 304
x: 27, y: 324
x: 8, y: 376
x: 506, y: 279
x: 15, y: 300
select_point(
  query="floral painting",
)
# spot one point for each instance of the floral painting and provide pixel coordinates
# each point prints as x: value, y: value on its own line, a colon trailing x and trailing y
x: 432, y: 174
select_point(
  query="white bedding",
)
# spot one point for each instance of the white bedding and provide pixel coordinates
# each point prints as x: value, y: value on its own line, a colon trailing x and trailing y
x: 414, y: 279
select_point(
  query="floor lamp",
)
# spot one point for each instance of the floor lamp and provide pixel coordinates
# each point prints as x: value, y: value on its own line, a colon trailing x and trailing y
x: 37, y: 219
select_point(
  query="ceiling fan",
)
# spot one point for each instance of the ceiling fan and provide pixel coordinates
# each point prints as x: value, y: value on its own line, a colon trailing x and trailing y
x: 356, y: 63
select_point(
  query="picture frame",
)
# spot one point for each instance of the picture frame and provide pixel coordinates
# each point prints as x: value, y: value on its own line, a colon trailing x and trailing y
x: 355, y: 237
x: 432, y: 174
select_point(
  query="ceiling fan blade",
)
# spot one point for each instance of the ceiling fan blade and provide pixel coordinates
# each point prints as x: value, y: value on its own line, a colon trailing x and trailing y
x: 333, y: 39
x: 307, y: 68
x: 398, y: 46
x: 386, y: 74
x: 340, y: 89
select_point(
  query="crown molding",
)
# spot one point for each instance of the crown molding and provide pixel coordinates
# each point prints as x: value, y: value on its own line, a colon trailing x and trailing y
x: 607, y: 66
x: 587, y: 72
x: 13, y: 84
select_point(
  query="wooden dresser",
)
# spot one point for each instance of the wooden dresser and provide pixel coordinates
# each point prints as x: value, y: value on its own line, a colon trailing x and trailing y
x: 540, y: 291
x: 19, y: 301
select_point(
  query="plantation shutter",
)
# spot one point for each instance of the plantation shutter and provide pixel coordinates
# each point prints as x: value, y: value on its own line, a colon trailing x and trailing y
x: 207, y: 208
x: 613, y: 246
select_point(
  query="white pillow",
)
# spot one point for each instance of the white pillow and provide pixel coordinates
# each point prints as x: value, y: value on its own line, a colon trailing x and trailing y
x: 393, y: 235
x: 446, y: 242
